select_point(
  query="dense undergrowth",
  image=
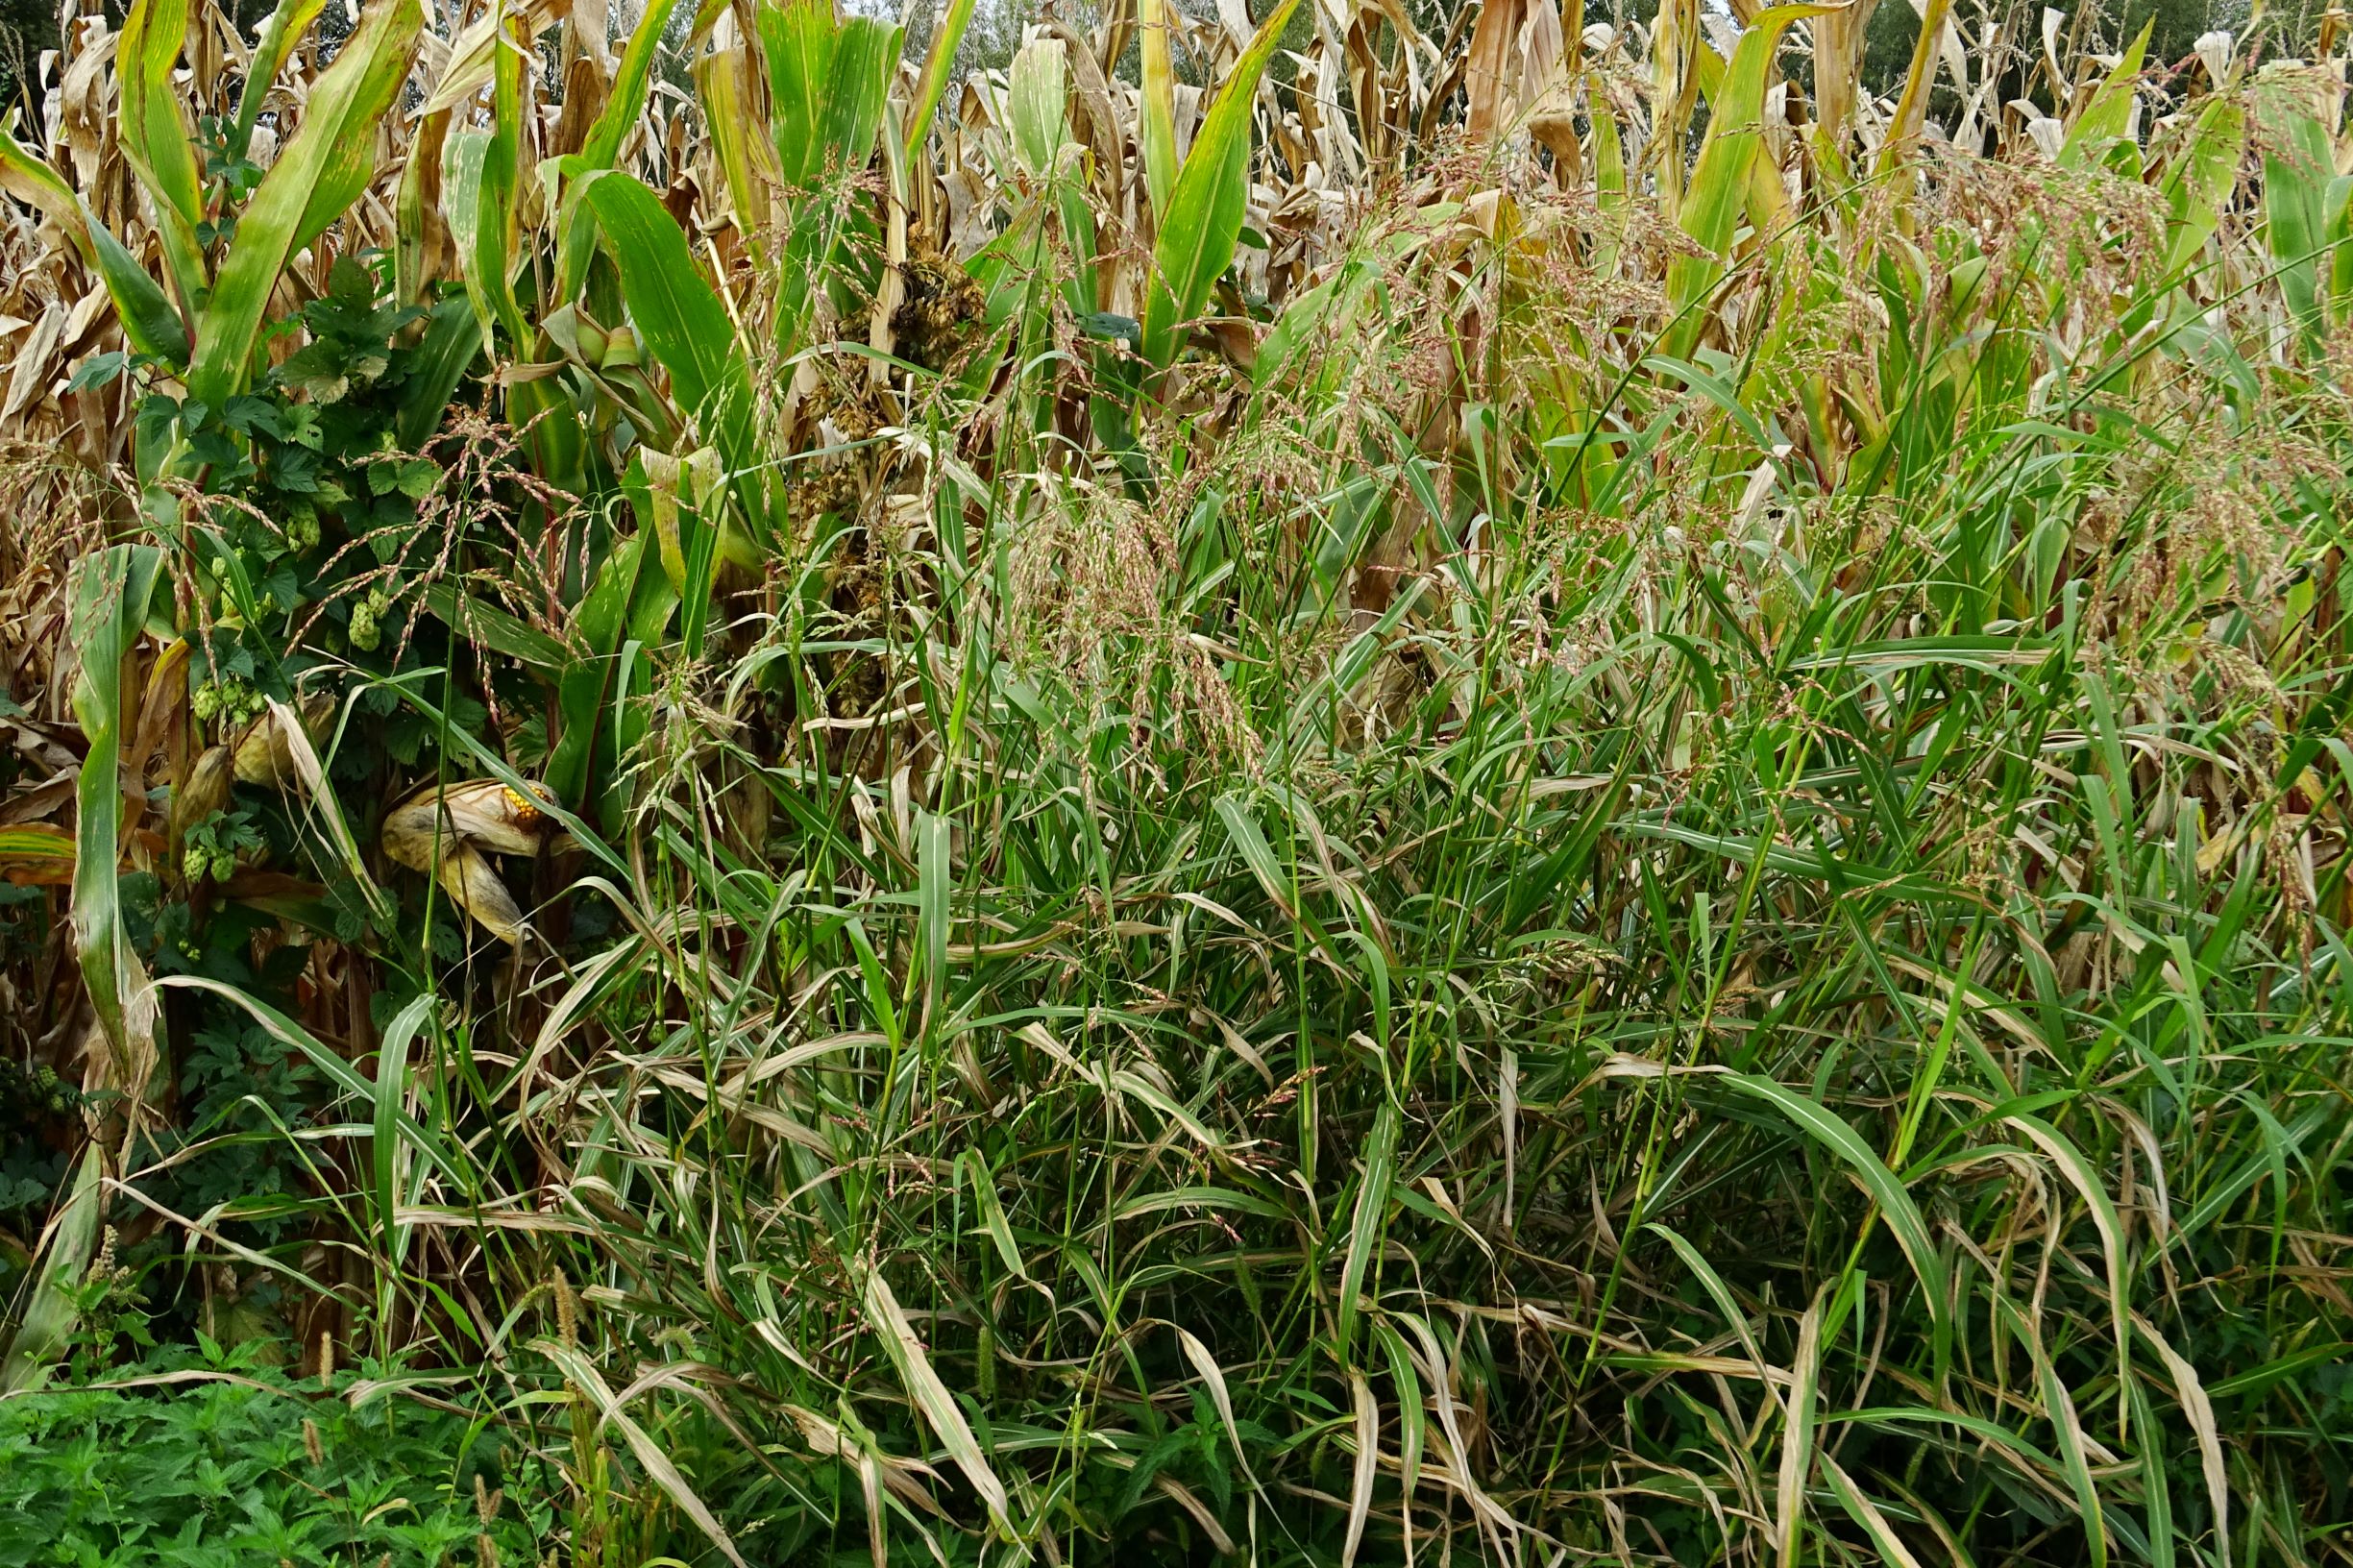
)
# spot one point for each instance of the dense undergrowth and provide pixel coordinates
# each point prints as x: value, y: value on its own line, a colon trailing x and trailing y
x: 1520, y: 796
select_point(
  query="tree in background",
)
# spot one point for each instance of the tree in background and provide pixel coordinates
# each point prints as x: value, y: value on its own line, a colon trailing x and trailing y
x: 27, y: 27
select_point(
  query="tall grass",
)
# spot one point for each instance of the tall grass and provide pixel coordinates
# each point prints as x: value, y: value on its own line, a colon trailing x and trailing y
x: 1643, y: 862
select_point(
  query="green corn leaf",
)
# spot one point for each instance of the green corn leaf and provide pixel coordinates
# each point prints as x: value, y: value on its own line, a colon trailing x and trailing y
x: 684, y: 327
x: 50, y: 1308
x: 2297, y: 165
x: 109, y: 595
x: 2107, y: 117
x: 451, y: 340
x: 829, y: 87
x: 601, y: 149
x: 464, y: 157
x: 2199, y: 183
x: 1038, y: 96
x: 632, y: 82
x: 158, y: 141
x: 1203, y: 220
x: 318, y: 174
x: 1721, y: 185
x: 480, y: 173
x: 280, y: 34
x: 1157, y: 129
x: 678, y: 314
x: 865, y: 59
x: 932, y: 85
x: 800, y: 39
x: 148, y: 320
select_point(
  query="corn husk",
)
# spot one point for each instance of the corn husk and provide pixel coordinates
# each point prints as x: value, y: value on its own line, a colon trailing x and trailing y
x: 204, y: 792
x: 265, y: 750
x: 450, y: 833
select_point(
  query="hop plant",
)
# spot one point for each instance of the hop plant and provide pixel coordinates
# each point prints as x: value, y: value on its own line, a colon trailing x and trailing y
x: 367, y: 629
x: 215, y: 843
x: 230, y: 698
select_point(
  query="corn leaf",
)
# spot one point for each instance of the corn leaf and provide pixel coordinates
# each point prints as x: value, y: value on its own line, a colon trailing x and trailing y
x: 1156, y: 131
x: 938, y: 61
x: 631, y: 85
x: 2108, y: 115
x: 317, y: 175
x: 148, y: 320
x: 684, y: 326
x: 51, y: 1303
x: 2199, y: 183
x: 27, y: 175
x: 1203, y: 220
x: 158, y: 141
x: 1719, y: 187
x: 110, y: 592
x: 799, y: 39
x: 2297, y: 164
x: 285, y: 29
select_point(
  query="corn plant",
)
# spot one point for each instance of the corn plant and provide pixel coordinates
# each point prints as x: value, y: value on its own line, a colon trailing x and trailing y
x: 1262, y: 784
